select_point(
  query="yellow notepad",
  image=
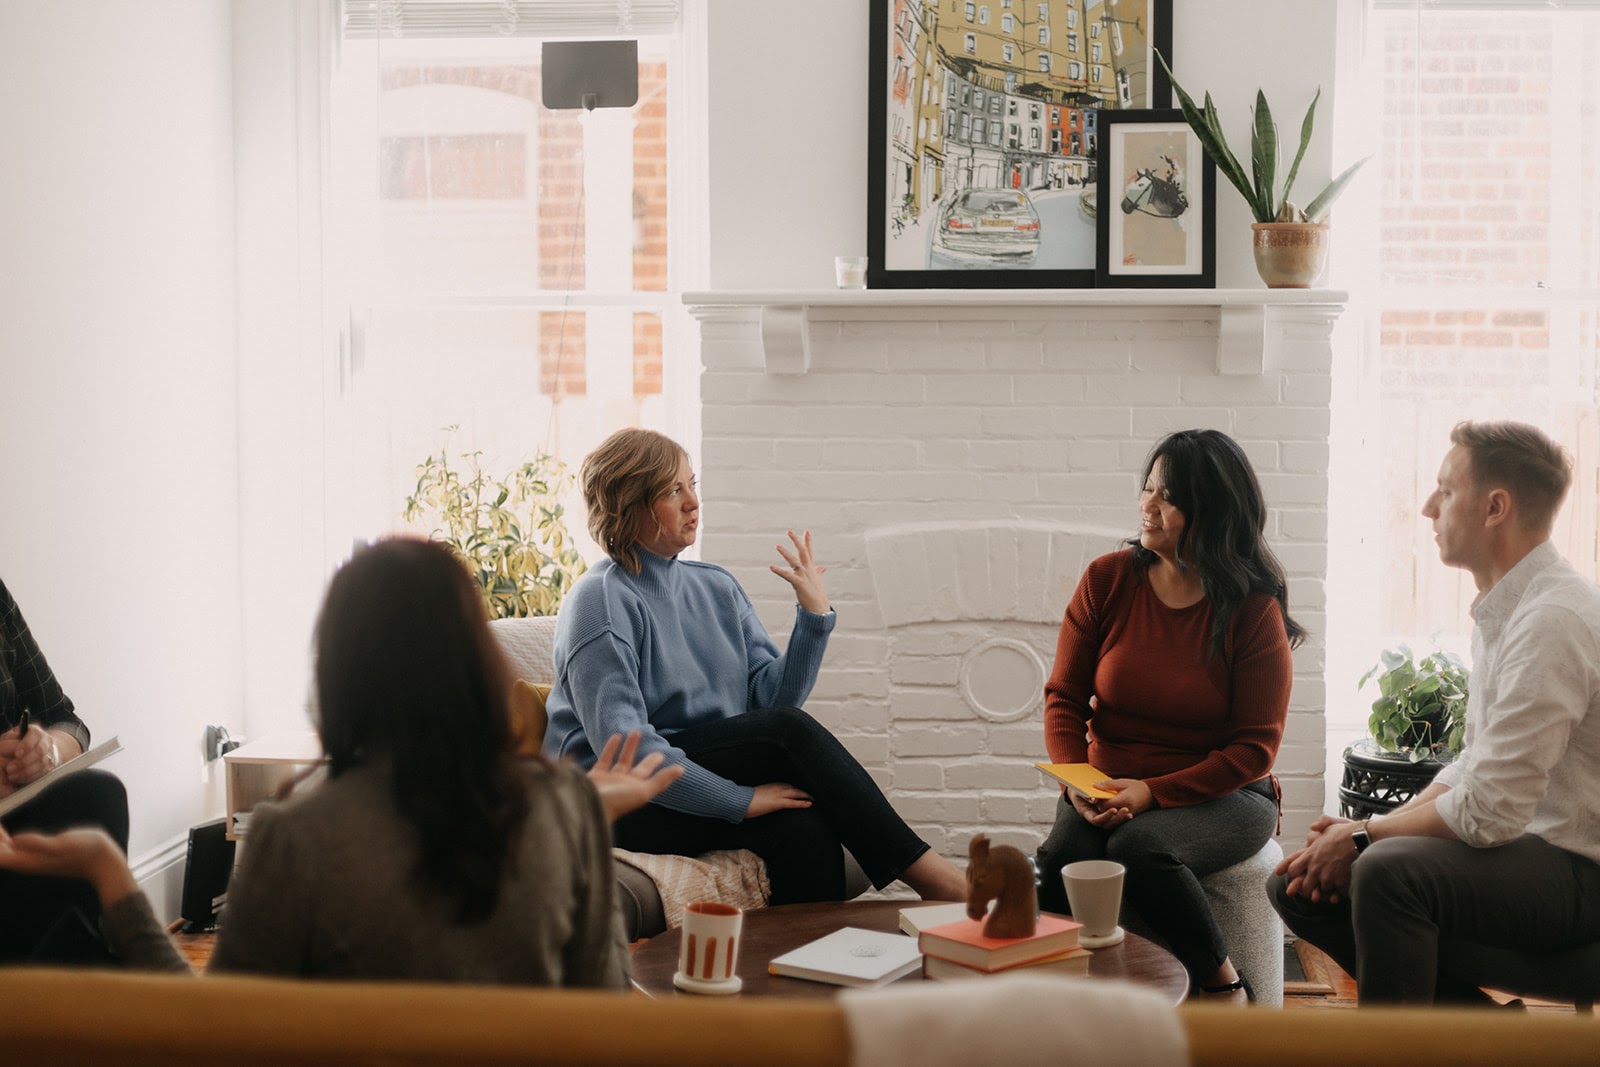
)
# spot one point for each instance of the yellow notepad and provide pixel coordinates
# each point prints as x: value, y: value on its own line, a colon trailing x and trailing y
x: 1080, y: 777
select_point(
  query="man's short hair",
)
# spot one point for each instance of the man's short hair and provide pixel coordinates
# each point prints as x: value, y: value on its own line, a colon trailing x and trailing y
x: 1522, y: 459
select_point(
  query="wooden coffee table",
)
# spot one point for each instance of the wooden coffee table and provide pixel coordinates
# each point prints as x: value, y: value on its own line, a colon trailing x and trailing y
x: 770, y: 932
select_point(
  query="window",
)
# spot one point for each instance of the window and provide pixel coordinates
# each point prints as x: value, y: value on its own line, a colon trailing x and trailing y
x: 1009, y: 53
x: 1073, y: 44
x: 983, y: 15
x: 1074, y: 69
x: 1013, y: 133
x: 1034, y: 138
x: 995, y: 102
x: 1055, y: 116
x: 1097, y: 52
x: 486, y: 239
x: 1484, y: 278
x: 1011, y: 108
x: 966, y: 125
x: 980, y: 128
x: 1044, y: 12
x: 994, y: 134
x: 977, y: 99
x: 966, y: 95
x: 970, y: 43
x: 1096, y: 71
x: 1044, y: 62
x: 972, y: 10
x: 1072, y: 16
x: 1011, y: 81
x: 1055, y: 140
x: 1008, y: 24
x: 1044, y: 34
x: 1034, y: 112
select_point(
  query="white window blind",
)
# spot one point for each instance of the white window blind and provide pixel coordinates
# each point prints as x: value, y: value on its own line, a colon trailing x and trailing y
x: 507, y: 18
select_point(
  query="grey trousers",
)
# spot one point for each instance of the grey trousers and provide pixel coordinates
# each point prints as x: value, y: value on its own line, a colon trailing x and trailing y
x: 1407, y: 894
x: 1166, y: 851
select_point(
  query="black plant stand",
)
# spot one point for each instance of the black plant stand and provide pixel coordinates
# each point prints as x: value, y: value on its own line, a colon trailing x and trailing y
x: 1376, y: 781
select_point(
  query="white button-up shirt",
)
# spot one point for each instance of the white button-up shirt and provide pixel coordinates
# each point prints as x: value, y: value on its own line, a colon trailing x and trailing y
x: 1531, y: 764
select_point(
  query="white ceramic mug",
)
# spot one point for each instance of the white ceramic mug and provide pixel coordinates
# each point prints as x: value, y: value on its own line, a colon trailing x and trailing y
x: 708, y: 956
x: 1094, y: 890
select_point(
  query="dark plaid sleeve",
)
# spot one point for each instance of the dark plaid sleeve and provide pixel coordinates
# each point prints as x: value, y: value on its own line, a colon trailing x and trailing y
x: 26, y: 680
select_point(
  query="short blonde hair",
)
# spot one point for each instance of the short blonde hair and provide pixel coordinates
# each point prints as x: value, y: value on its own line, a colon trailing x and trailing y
x: 1522, y: 459
x: 629, y: 470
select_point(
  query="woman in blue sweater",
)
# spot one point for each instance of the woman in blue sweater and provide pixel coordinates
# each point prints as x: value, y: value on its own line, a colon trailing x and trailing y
x: 672, y: 648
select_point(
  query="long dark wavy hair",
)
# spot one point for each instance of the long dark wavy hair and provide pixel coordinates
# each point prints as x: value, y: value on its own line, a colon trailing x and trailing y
x: 407, y: 672
x: 1209, y: 478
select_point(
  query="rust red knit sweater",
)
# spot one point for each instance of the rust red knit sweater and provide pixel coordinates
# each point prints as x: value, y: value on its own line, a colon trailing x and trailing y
x: 1134, y: 693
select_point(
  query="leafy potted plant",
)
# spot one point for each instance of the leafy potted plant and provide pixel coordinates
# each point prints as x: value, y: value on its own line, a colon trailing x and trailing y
x: 1290, y: 243
x: 510, y: 531
x: 1417, y: 725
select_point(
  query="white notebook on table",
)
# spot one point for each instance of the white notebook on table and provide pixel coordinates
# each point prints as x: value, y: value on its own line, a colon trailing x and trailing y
x: 852, y: 957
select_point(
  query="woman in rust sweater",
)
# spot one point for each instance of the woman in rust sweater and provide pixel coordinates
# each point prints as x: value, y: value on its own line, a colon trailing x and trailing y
x: 1172, y: 676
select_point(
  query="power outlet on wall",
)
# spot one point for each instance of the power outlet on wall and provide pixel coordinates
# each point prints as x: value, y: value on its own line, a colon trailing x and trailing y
x: 218, y: 742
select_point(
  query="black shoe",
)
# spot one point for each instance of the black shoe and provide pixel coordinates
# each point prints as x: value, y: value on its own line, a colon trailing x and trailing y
x: 1233, y: 987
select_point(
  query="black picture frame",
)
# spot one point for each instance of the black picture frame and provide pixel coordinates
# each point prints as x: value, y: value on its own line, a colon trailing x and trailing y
x: 1155, y: 229
x: 1047, y: 133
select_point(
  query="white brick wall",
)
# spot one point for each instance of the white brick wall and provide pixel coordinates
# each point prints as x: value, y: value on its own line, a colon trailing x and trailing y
x: 957, y: 466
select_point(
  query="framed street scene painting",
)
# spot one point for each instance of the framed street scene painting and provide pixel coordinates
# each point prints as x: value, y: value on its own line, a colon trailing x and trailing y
x: 1157, y: 194
x: 983, y: 134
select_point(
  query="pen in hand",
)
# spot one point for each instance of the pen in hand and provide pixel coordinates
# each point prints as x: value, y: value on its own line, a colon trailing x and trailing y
x: 22, y: 724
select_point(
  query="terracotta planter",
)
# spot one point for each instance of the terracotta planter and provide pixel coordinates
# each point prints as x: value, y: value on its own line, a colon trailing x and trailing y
x: 1290, y: 255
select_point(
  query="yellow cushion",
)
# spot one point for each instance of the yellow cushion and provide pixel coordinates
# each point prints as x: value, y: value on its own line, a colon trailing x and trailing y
x: 528, y: 717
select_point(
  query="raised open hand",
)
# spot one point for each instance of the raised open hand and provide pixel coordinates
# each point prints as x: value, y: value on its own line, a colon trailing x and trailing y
x: 624, y: 785
x: 804, y: 573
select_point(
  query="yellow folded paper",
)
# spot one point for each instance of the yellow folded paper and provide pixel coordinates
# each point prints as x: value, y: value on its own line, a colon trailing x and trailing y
x: 1080, y: 777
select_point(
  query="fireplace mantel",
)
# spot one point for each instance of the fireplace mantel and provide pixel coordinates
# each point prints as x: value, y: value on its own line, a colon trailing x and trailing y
x: 1245, y: 317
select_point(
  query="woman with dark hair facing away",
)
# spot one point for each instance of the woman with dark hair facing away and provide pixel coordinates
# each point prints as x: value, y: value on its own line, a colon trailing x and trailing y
x: 1172, y: 676
x: 672, y: 648
x: 431, y: 851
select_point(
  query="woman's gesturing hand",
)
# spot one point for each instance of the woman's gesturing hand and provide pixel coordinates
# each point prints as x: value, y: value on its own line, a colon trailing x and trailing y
x: 804, y: 573
x: 775, y: 796
x: 624, y: 785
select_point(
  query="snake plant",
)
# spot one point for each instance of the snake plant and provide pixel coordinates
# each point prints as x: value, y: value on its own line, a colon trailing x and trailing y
x: 1267, y: 204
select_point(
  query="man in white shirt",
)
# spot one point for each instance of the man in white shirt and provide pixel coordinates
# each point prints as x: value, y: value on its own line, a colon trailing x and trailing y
x: 1503, y: 848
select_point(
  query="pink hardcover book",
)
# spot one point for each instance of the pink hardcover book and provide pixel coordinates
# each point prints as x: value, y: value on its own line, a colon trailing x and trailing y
x: 964, y: 942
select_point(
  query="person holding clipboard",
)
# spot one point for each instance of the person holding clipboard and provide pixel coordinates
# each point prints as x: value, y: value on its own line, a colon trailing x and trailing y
x: 47, y: 920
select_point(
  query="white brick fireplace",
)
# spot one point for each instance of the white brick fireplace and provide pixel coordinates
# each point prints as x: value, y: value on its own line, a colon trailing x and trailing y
x: 958, y: 457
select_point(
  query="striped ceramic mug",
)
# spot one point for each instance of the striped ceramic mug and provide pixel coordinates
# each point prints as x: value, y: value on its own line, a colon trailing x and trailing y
x: 709, y: 951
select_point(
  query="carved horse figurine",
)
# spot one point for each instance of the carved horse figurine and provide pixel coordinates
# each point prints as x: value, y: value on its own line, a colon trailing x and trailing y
x: 1002, y: 874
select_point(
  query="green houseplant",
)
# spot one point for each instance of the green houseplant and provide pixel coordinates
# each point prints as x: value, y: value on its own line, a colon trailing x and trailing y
x: 1421, y: 710
x: 509, y: 530
x: 1290, y: 242
x: 1416, y: 726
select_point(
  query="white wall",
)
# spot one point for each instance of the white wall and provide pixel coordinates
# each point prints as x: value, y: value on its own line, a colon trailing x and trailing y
x: 117, y: 398
x: 958, y: 466
x: 788, y: 102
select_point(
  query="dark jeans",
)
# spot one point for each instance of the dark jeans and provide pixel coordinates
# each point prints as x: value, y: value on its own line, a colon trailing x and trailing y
x: 55, y: 920
x: 1166, y: 852
x: 800, y: 845
x: 1409, y: 893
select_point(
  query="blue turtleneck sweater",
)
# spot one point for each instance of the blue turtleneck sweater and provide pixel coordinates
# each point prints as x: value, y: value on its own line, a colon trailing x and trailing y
x: 674, y: 646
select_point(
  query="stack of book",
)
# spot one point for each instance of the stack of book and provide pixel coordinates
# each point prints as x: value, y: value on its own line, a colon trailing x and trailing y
x: 960, y: 950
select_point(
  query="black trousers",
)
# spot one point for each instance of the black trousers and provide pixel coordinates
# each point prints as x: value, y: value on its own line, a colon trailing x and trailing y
x: 56, y: 920
x: 800, y: 845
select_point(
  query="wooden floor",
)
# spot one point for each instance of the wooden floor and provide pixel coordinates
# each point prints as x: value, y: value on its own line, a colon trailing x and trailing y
x: 1312, y: 980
